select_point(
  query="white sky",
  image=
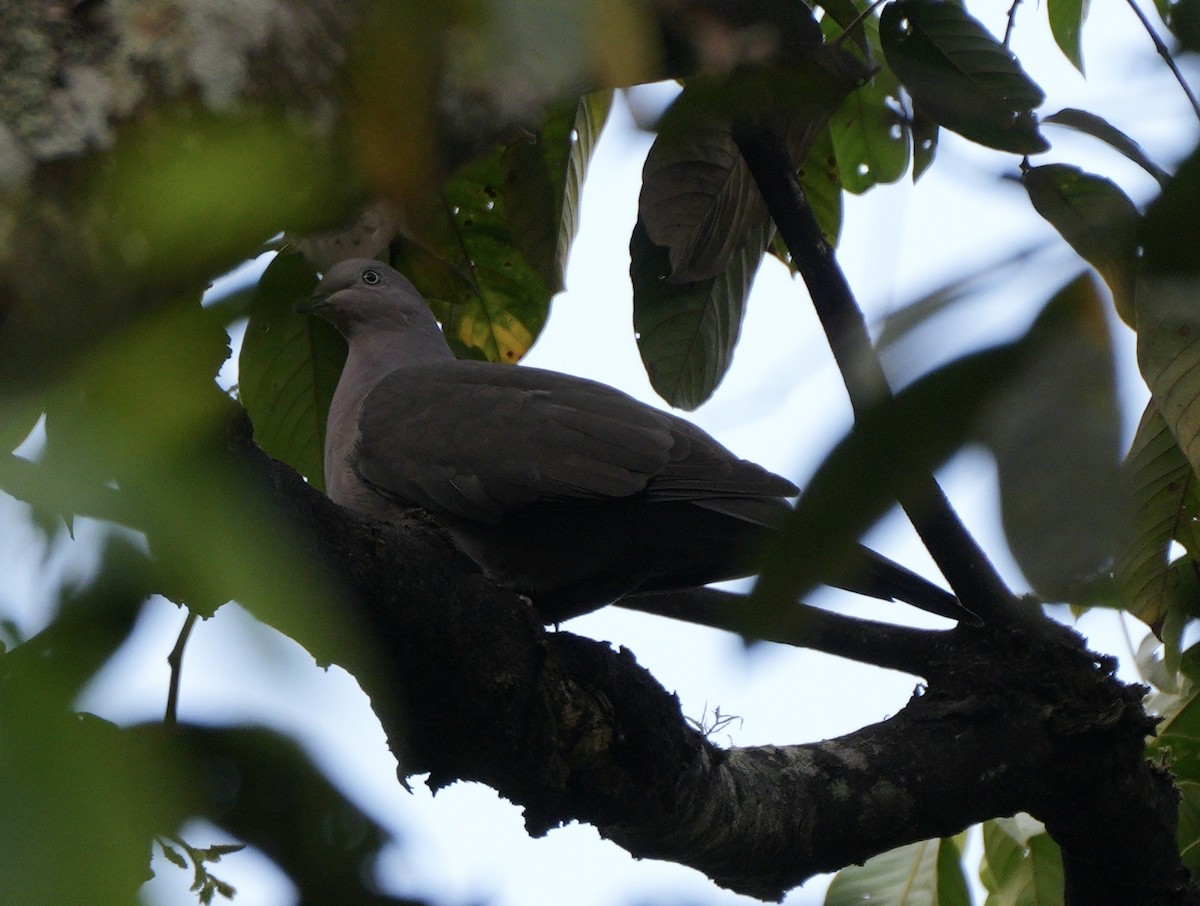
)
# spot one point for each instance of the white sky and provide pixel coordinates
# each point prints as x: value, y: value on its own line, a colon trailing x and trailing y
x: 782, y: 405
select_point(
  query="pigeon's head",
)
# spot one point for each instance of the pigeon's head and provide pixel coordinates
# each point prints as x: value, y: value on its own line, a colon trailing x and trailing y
x: 364, y: 293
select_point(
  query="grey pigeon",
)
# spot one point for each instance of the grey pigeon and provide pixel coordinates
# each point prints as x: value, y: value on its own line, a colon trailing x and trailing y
x: 567, y: 490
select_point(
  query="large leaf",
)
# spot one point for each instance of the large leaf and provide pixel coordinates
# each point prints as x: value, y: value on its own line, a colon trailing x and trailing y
x: 1055, y: 432
x: 920, y: 874
x: 288, y: 368
x: 1168, y: 313
x: 1096, y: 219
x: 546, y: 174
x: 1022, y: 864
x: 1098, y: 127
x: 488, y: 254
x: 686, y: 332
x: 698, y: 199
x: 1163, y: 496
x: 960, y: 75
x: 1066, y: 24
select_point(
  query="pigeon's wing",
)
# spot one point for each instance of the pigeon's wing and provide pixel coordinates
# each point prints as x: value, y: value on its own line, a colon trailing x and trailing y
x: 478, y: 440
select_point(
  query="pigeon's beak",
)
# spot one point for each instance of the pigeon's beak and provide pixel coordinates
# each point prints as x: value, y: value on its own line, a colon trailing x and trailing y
x: 311, y: 304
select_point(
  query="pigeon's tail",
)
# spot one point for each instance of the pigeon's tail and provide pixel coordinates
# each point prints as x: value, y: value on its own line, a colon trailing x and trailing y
x: 879, y: 577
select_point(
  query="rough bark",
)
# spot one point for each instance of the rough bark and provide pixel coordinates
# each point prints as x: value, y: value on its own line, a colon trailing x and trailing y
x: 1011, y: 720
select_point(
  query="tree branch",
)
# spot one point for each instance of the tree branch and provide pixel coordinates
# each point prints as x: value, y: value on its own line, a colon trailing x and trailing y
x: 881, y: 644
x: 572, y: 730
x: 960, y: 559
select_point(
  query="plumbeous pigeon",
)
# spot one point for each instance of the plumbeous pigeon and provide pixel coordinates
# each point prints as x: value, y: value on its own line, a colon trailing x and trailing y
x: 567, y: 490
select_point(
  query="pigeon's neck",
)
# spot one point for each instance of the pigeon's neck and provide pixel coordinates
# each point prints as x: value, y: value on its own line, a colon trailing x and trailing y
x: 380, y: 352
x: 372, y: 356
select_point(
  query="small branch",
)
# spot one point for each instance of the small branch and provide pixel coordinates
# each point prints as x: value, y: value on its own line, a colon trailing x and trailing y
x: 175, y: 660
x: 1012, y: 21
x: 881, y: 644
x: 1165, y: 53
x: 956, y: 553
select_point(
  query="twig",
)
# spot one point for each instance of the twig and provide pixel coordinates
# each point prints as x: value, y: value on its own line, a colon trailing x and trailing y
x: 175, y: 660
x: 867, y: 641
x: 961, y: 560
x: 1012, y: 21
x: 1165, y: 53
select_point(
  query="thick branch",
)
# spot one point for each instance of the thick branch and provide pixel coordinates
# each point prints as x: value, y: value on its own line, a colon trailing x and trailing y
x: 572, y: 730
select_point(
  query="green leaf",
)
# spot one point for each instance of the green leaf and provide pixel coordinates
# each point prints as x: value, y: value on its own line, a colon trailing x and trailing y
x: 289, y: 367
x: 698, y: 199
x: 1022, y: 864
x: 1055, y: 431
x: 1096, y: 219
x: 18, y: 416
x: 466, y: 252
x: 197, y: 188
x: 1168, y: 234
x: 1100, y: 128
x: 920, y: 874
x: 870, y: 135
x: 1169, y: 356
x: 686, y: 332
x: 1163, y: 496
x: 924, y: 131
x: 820, y: 178
x: 1066, y: 24
x: 546, y: 173
x: 960, y: 75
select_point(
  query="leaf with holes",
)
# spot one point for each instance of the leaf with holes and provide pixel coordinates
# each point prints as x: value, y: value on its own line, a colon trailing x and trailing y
x: 960, y: 75
x: 686, y: 332
x: 924, y: 131
x: 870, y: 135
x: 1096, y: 219
x: 546, y: 173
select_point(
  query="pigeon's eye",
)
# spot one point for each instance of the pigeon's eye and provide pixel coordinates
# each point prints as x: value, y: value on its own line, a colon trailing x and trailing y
x: 370, y: 277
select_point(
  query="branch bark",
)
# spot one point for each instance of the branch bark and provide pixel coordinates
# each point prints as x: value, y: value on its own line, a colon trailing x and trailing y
x: 476, y: 689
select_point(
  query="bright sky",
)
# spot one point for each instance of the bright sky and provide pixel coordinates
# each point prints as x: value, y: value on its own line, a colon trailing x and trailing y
x: 781, y: 405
